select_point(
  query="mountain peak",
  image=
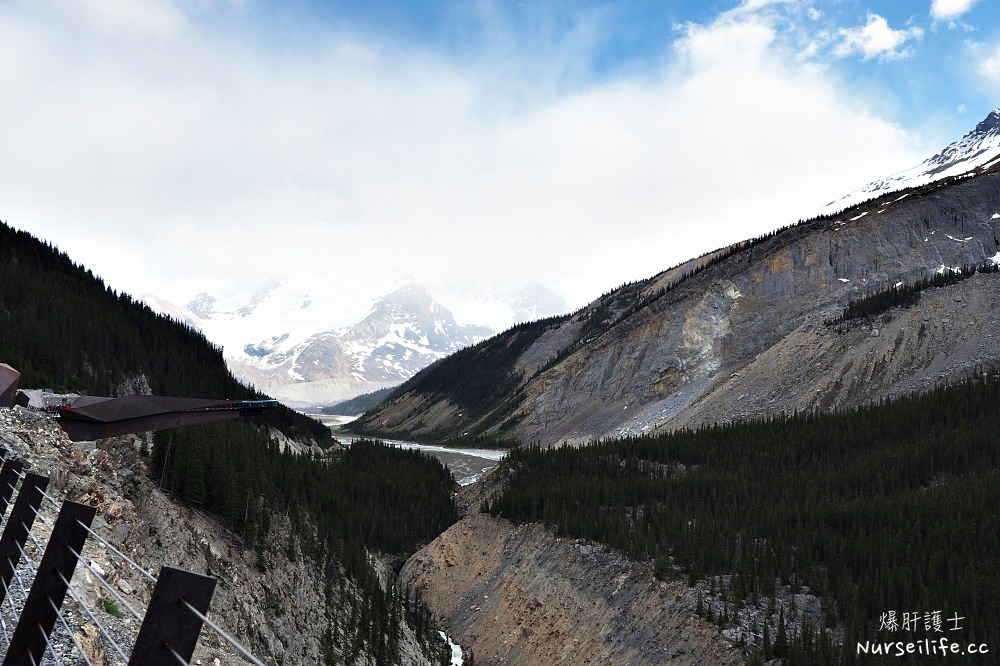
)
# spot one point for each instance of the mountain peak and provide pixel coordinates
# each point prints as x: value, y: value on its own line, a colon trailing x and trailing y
x: 202, y: 305
x: 977, y: 149
x: 990, y: 124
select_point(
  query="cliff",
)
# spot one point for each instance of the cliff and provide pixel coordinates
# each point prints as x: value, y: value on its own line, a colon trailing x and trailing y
x: 519, y: 595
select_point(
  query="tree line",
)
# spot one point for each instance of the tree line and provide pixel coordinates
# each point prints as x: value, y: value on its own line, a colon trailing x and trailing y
x: 891, y: 507
x: 871, y: 305
x: 341, y: 506
x: 64, y: 329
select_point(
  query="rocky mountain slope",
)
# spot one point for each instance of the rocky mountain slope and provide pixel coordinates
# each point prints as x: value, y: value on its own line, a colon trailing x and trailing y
x: 742, y: 331
x: 277, y: 613
x: 403, y: 332
x: 519, y: 595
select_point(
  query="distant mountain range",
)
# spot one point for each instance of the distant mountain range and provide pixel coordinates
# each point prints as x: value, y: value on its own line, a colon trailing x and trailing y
x: 275, y: 341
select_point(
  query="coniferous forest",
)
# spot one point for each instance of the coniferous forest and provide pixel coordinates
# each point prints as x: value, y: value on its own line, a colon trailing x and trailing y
x: 63, y: 328
x: 389, y: 499
x: 893, y: 508
x: 905, y: 296
x: 369, y: 497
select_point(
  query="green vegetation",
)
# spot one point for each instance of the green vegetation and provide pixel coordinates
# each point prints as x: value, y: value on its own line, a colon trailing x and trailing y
x: 370, y: 496
x: 477, y: 377
x: 481, y: 380
x: 870, y: 306
x: 385, y: 498
x: 111, y: 608
x: 360, y: 404
x: 61, y: 327
x: 890, y: 507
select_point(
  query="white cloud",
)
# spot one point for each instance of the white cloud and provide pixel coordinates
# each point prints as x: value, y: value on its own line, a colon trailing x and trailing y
x: 876, y: 39
x: 191, y: 161
x: 989, y: 64
x: 950, y: 9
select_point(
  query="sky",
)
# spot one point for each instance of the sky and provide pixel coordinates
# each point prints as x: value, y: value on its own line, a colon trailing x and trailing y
x: 184, y: 146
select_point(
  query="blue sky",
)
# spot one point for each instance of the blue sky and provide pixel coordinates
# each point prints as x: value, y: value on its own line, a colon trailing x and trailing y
x: 180, y: 146
x: 921, y: 60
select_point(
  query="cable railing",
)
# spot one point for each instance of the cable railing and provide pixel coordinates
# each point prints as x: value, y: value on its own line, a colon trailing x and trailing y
x: 39, y: 555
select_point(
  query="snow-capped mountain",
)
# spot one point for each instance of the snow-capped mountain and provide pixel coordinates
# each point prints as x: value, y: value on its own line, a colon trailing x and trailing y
x: 403, y: 333
x: 270, y: 340
x: 979, y: 149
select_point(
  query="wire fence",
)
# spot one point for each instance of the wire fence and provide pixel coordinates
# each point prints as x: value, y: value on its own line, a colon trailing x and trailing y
x: 44, y: 542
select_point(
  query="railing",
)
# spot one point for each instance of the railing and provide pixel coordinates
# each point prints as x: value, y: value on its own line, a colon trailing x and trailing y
x: 35, y: 575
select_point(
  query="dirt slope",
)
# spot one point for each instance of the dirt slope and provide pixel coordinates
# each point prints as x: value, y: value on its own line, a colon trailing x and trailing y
x: 519, y: 595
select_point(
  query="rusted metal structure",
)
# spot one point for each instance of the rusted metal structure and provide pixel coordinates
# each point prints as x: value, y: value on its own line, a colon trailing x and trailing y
x: 9, y: 378
x: 93, y: 417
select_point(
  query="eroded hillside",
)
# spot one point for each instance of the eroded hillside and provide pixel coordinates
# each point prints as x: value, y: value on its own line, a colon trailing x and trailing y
x: 519, y: 595
x: 744, y: 333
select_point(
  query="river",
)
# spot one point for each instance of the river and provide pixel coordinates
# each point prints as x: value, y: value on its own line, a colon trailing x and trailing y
x: 466, y: 465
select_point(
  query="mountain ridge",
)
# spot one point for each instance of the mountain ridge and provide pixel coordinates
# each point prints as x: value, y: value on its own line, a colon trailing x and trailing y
x: 403, y: 332
x: 643, y: 356
x: 978, y: 149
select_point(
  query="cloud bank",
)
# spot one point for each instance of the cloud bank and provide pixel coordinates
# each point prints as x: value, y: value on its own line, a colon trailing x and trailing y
x: 171, y: 149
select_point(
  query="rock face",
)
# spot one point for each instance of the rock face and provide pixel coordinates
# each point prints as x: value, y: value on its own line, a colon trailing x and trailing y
x: 277, y: 611
x: 518, y: 595
x: 770, y: 302
x: 745, y: 333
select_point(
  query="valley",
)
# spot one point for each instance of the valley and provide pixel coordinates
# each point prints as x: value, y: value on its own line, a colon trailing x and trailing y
x: 496, y: 333
x: 750, y: 336
x: 745, y: 458
x: 467, y: 465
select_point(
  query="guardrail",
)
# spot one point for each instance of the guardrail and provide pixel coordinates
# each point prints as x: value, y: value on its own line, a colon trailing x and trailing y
x: 34, y: 591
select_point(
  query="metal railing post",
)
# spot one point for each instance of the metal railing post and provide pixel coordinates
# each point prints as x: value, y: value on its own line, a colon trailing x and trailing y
x: 170, y: 630
x: 41, y: 608
x: 22, y: 517
x: 9, y: 475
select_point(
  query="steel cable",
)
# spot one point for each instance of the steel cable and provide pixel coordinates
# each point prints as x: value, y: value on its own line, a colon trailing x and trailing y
x: 69, y: 631
x: 100, y: 627
x: 226, y: 637
x: 179, y: 658
x: 122, y: 555
x: 48, y: 644
x: 107, y: 585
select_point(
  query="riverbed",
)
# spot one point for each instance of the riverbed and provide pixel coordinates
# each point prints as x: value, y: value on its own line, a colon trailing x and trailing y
x: 466, y: 465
